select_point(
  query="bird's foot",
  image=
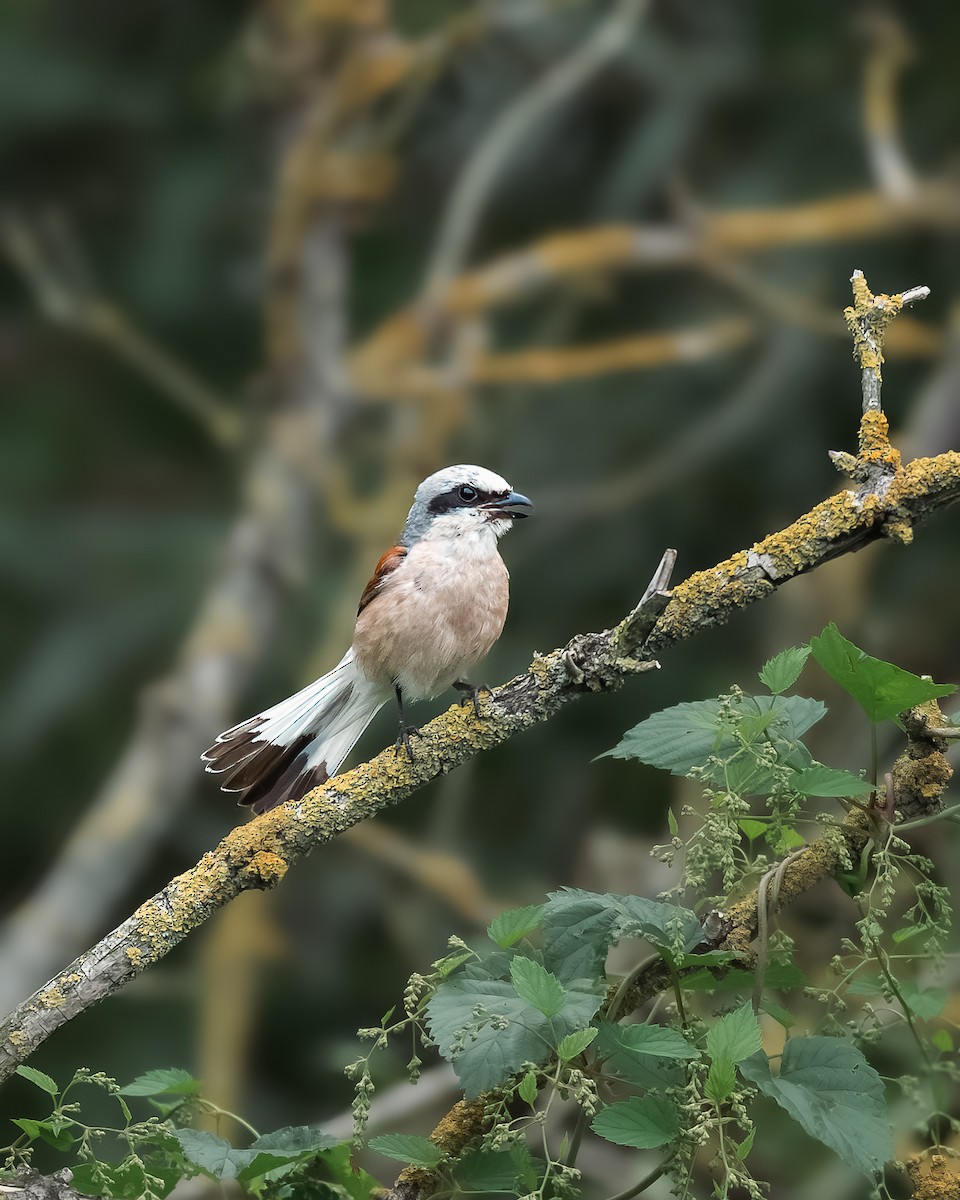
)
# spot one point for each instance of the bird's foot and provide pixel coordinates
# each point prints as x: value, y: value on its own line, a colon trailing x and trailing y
x: 403, y: 740
x: 469, y: 692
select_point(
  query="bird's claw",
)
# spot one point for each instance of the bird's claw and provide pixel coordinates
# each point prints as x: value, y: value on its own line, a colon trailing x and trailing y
x: 403, y: 740
x: 470, y: 693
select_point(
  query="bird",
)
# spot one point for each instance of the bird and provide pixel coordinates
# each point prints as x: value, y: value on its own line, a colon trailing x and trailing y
x: 435, y: 605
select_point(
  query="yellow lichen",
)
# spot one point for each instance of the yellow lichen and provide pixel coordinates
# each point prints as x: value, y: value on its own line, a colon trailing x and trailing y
x: 867, y: 319
x: 135, y: 955
x: 51, y: 997
x: 875, y: 440
x: 268, y: 868
x: 17, y: 1037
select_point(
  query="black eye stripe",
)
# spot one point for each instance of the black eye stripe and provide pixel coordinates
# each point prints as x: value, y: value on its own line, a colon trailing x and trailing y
x: 448, y: 501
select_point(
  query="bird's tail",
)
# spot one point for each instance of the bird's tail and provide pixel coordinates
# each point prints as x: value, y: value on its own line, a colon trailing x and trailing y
x: 296, y: 745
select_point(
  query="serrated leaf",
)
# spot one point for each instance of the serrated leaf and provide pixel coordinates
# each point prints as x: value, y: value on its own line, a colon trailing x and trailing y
x: 488, y: 1048
x: 682, y: 738
x: 910, y: 931
x: 579, y: 927
x: 39, y: 1079
x: 444, y: 966
x: 752, y: 828
x: 495, y: 1170
x: 943, y: 1041
x: 926, y: 1003
x: 781, y: 1015
x: 830, y: 1089
x: 575, y: 1043
x: 655, y: 1040
x: 880, y: 688
x: 621, y: 1049
x: 528, y: 1089
x: 507, y: 928
x: 296, y: 1139
x: 782, y: 976
x: 820, y: 780
x: 783, y: 670
x: 122, y: 1181
x: 735, y: 1036
x: 643, y: 1122
x: 30, y: 1128
x: 163, y: 1081
x: 212, y: 1154
x: 538, y: 986
x: 408, y: 1148
x: 721, y: 1080
x: 746, y: 1145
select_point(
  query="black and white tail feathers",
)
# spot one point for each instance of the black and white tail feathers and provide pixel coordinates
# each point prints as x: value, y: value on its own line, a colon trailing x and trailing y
x: 285, y: 751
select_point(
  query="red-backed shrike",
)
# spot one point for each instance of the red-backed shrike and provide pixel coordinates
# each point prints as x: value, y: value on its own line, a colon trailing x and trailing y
x: 434, y: 607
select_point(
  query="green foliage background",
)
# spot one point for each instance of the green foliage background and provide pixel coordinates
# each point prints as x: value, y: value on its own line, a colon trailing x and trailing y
x: 141, y: 126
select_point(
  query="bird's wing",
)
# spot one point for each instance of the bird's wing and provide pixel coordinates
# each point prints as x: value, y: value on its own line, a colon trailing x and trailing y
x: 385, y: 567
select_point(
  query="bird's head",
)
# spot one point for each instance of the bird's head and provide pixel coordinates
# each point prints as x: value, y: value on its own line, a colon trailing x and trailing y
x: 461, y: 500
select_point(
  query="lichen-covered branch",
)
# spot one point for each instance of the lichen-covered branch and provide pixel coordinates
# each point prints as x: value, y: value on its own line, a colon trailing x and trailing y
x: 258, y: 854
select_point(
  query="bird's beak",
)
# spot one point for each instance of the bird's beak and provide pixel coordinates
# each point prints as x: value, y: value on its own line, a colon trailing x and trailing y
x: 509, y: 505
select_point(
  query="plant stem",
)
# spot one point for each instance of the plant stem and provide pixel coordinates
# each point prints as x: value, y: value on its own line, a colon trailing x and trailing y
x: 642, y: 1186
x: 874, y: 757
x: 679, y: 997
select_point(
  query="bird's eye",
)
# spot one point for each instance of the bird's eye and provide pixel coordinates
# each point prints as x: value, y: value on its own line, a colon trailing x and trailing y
x: 467, y: 493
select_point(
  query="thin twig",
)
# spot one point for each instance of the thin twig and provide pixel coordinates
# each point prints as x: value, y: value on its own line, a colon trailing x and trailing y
x: 506, y: 134
x: 867, y: 319
x: 72, y: 303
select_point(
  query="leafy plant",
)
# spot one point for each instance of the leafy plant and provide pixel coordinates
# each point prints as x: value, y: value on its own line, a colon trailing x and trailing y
x: 158, y: 1151
x: 532, y: 1022
x: 669, y: 1058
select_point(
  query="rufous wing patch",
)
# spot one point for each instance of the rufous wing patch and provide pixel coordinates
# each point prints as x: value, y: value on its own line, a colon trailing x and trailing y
x: 387, y: 564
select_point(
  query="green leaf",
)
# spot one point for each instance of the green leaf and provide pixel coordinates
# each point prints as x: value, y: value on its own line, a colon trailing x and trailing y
x: 746, y: 1145
x: 579, y: 927
x: 213, y: 1155
x: 408, y: 1148
x: 39, y: 1079
x: 752, y: 828
x: 30, y: 1127
x: 819, y: 780
x: 538, y: 986
x: 296, y: 1139
x: 926, y: 1003
x: 782, y: 976
x: 161, y: 1082
x: 735, y: 1036
x: 628, y: 1052
x: 123, y: 1181
x: 349, y: 1180
x: 780, y: 1014
x: 642, y: 1122
x: 880, y: 688
x: 830, y: 1089
x: 488, y: 1032
x: 943, y: 1041
x: 655, y: 1040
x: 684, y: 737
x: 721, y: 1080
x: 783, y: 670
x: 575, y: 1043
x: 528, y: 1089
x: 509, y: 927
x: 444, y: 966
x: 910, y: 931
x: 495, y: 1170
